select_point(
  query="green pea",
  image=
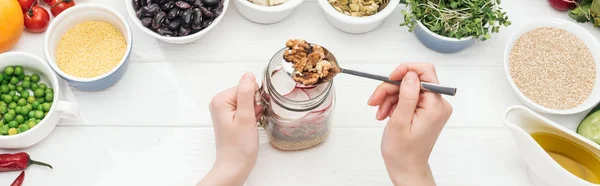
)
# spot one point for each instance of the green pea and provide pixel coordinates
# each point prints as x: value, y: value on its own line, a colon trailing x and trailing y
x: 20, y: 119
x: 31, y: 124
x: 13, y: 124
x: 26, y: 84
x: 43, y: 86
x: 24, y: 94
x: 14, y: 80
x: 12, y: 105
x: 35, y: 78
x: 3, y: 109
x: 39, y: 93
x: 1, y: 123
x: 5, y: 81
x: 39, y: 114
x: 9, y: 70
x: 1, y: 77
x: 27, y: 78
x: 38, y: 121
x: 7, y: 99
x: 22, y: 102
x: 20, y: 77
x: 35, y: 104
x: 18, y: 109
x: 41, y: 100
x: 3, y: 104
x: 24, y: 127
x: 46, y: 107
x: 28, y: 106
x: 12, y: 112
x: 49, y: 90
x: 11, y: 87
x: 4, y: 88
x: 49, y: 97
x: 40, y: 108
x: 16, y: 97
x: 12, y: 93
x: 25, y: 111
x: 18, y: 130
x: 30, y: 99
x: 4, y: 130
x: 34, y: 86
x: 20, y: 88
x: 18, y: 70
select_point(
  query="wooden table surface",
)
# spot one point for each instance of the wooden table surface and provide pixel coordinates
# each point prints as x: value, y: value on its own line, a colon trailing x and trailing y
x: 154, y: 128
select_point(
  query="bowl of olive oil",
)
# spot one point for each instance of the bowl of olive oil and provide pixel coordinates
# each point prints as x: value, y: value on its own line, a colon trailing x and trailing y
x: 555, y: 155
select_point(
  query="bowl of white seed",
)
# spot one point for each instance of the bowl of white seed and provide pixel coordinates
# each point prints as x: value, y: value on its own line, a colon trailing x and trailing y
x: 551, y: 66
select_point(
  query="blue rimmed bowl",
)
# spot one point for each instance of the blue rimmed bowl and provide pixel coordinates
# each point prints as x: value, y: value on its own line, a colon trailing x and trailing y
x: 440, y: 43
x: 73, y: 16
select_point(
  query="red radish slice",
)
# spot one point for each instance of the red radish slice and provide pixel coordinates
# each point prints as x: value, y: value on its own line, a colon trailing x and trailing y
x: 282, y: 82
x: 297, y: 95
x: 315, y: 91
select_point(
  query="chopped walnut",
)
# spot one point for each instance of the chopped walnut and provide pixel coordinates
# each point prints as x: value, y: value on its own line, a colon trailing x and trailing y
x: 309, y: 62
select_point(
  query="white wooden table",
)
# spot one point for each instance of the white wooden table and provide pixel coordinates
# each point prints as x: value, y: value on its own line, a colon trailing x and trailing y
x: 153, y: 127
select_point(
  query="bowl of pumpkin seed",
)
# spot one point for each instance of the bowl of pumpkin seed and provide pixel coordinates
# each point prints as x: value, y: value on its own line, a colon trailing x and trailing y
x: 357, y: 16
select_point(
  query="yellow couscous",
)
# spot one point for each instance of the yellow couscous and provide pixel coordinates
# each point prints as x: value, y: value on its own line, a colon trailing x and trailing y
x: 90, y: 49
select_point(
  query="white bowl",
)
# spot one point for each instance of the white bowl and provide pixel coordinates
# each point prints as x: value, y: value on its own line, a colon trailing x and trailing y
x: 78, y: 14
x: 581, y: 33
x: 59, y: 109
x: 266, y: 14
x: 356, y: 25
x: 179, y: 39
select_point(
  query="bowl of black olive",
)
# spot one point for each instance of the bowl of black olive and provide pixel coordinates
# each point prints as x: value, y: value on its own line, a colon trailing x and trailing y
x: 176, y: 21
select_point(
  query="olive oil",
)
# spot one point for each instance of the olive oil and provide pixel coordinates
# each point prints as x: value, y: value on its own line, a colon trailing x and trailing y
x: 576, y: 159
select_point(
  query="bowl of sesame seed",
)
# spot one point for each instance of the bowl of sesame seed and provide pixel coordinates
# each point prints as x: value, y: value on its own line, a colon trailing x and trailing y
x: 552, y: 67
x: 89, y: 46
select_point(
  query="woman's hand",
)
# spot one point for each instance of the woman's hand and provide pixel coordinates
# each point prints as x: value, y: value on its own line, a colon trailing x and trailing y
x: 234, y: 117
x: 416, y: 120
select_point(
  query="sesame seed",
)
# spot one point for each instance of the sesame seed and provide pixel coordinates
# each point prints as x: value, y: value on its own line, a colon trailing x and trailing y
x: 553, y: 68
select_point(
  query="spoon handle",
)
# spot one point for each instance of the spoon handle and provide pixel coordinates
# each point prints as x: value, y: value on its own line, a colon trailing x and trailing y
x: 424, y: 85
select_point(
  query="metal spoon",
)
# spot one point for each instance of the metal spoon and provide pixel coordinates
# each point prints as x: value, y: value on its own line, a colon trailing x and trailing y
x: 289, y: 68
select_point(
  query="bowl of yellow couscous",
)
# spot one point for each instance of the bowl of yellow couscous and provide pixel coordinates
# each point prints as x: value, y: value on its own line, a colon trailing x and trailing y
x: 88, y: 46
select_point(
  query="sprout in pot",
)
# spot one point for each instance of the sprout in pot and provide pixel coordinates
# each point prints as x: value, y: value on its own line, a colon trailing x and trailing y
x: 456, y: 18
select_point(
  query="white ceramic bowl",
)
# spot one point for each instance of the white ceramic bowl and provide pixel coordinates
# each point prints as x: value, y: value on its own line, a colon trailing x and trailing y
x: 179, y: 39
x: 581, y: 33
x: 266, y: 14
x: 73, y: 16
x: 356, y: 25
x: 59, y: 109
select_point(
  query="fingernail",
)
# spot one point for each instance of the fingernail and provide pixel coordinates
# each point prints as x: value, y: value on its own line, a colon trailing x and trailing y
x: 247, y: 75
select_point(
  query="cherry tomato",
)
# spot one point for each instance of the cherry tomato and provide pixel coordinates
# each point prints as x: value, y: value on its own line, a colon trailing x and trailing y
x: 36, y: 19
x: 57, y: 6
x: 48, y: 2
x: 27, y: 4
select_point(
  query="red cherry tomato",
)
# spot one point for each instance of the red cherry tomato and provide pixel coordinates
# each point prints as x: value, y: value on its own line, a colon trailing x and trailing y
x: 57, y: 6
x: 27, y: 4
x: 48, y: 2
x: 36, y: 19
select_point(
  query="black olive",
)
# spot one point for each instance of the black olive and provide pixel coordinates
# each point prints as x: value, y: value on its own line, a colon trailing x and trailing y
x: 158, y: 19
x: 182, y: 5
x: 197, y: 19
x: 174, y: 24
x: 146, y: 21
x: 186, y: 18
x: 165, y: 32
x: 174, y: 13
x: 167, y: 6
x: 136, y: 4
x: 198, y: 4
x: 210, y: 3
x: 183, y: 31
x: 206, y: 13
x: 150, y: 10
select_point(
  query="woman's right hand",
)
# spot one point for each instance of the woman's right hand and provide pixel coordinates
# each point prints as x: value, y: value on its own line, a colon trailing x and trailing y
x: 416, y: 120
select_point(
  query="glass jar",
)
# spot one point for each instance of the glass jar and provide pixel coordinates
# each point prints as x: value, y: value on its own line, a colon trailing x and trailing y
x: 295, y: 116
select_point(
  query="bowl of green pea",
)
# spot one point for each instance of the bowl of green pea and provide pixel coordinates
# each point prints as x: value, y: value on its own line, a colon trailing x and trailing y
x: 30, y: 105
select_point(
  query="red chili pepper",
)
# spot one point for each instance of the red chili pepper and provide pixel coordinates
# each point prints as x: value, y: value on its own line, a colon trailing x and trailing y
x: 19, y: 180
x: 18, y: 161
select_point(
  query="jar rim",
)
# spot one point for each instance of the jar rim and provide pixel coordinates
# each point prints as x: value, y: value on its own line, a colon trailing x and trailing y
x: 310, y: 104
